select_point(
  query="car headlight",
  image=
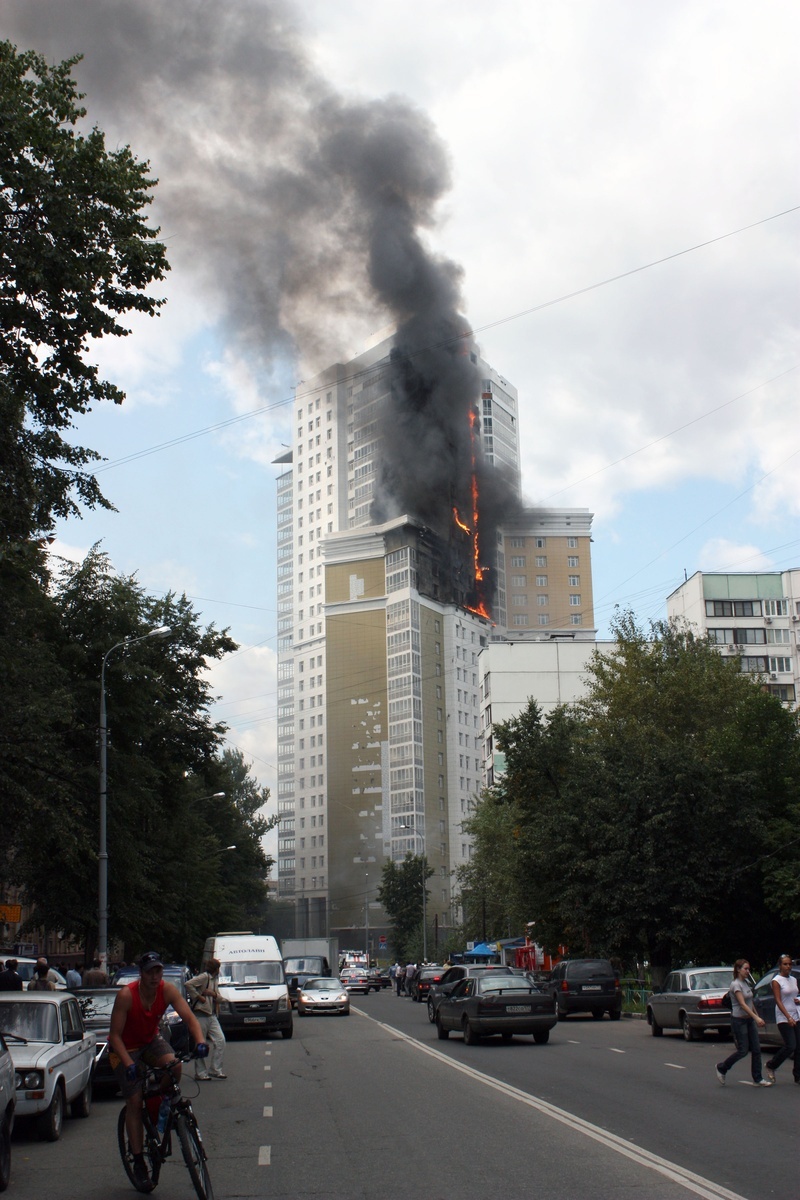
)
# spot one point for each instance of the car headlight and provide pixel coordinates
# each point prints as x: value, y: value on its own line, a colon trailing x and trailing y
x: 224, y: 1006
x: 283, y: 1003
x: 342, y: 996
x: 32, y: 1081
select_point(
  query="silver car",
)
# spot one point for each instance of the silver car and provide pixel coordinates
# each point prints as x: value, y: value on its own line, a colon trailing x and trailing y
x: 691, y: 1000
x: 764, y: 1001
x: 323, y: 995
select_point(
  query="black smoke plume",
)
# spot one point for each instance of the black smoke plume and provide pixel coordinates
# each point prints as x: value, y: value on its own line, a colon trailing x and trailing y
x: 301, y: 212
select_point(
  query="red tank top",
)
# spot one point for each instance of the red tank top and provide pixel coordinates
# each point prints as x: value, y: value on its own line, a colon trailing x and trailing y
x: 142, y: 1023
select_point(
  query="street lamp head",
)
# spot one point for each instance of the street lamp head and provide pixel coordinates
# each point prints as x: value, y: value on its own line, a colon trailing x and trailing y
x: 230, y: 847
x: 161, y: 631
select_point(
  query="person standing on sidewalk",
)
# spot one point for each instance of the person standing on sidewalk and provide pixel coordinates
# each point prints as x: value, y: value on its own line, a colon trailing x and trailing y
x: 787, y: 1018
x: 203, y: 993
x: 745, y: 1023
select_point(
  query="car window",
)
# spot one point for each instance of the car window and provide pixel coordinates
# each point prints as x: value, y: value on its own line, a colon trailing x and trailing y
x: 96, y: 1004
x: 35, y: 1022
x: 319, y: 985
x: 704, y: 980
x: 669, y: 982
x: 764, y: 987
x: 242, y: 973
x: 591, y: 969
x: 503, y: 983
x: 70, y: 1016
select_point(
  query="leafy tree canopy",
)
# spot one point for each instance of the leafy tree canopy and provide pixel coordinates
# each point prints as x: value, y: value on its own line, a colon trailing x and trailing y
x: 75, y: 256
x: 642, y: 821
x: 400, y: 894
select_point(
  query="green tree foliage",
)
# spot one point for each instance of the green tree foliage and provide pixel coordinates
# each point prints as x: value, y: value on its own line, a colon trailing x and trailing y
x: 171, y: 876
x: 75, y: 256
x: 400, y: 894
x: 644, y: 818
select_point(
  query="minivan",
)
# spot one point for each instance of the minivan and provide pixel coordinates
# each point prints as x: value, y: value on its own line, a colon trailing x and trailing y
x: 252, y: 985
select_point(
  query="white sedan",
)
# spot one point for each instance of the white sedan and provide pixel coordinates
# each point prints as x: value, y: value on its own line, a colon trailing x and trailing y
x: 53, y: 1056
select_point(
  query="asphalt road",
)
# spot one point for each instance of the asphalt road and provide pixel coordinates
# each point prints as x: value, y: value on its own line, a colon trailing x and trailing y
x: 372, y: 1105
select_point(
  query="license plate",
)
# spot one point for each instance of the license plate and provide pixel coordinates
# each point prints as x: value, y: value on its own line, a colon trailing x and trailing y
x: 254, y: 1020
x: 592, y: 987
x: 518, y: 1008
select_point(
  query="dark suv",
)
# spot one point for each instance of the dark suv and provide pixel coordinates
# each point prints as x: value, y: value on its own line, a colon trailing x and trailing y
x: 585, y: 985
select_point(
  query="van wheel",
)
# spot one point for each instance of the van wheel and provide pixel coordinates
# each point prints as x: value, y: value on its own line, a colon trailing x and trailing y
x: 287, y: 1033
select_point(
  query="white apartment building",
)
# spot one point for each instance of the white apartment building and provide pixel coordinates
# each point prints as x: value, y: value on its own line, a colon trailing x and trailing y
x: 752, y: 616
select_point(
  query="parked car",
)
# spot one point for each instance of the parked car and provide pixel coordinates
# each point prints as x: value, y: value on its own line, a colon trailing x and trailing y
x: 421, y: 982
x: 764, y: 1001
x: 691, y: 1000
x: 494, y: 1003
x: 452, y: 976
x: 356, y: 980
x: 586, y: 985
x: 8, y: 1101
x: 173, y: 1028
x: 323, y: 995
x: 53, y: 1056
x: 380, y: 979
x: 96, y: 1005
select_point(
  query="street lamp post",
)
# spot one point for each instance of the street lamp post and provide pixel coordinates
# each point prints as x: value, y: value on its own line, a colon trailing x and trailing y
x: 102, y: 880
x: 366, y: 915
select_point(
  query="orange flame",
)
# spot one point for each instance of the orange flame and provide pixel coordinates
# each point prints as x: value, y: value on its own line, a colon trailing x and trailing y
x: 481, y: 609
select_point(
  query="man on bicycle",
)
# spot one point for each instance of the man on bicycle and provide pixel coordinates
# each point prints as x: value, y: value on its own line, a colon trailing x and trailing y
x: 135, y: 1035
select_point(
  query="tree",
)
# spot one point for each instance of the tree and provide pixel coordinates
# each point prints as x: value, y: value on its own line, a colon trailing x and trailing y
x: 171, y: 876
x: 646, y: 813
x: 400, y: 894
x: 75, y: 256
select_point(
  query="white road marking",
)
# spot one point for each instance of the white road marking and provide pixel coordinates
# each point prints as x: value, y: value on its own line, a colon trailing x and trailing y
x: 267, y: 1084
x: 572, y: 1042
x: 700, y: 1186
x: 267, y: 1110
x: 615, y: 1051
x: 268, y: 1067
x: 675, y: 1066
x: 265, y: 1156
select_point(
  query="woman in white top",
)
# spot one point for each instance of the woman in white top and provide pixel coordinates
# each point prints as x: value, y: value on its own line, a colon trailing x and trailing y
x: 787, y: 1018
x: 745, y: 1023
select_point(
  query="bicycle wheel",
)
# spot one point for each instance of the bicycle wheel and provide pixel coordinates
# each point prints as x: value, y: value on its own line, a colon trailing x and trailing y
x: 194, y: 1155
x: 151, y: 1155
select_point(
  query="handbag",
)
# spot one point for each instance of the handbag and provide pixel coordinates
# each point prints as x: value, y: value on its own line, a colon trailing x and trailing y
x: 726, y: 1000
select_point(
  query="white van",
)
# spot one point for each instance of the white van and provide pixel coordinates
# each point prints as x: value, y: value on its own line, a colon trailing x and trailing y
x: 252, y: 986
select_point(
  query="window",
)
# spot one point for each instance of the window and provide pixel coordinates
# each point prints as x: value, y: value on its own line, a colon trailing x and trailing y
x: 541, y: 581
x: 543, y: 619
x: 735, y: 608
x: 517, y: 542
x: 572, y: 560
x: 519, y: 600
x: 572, y: 542
x: 574, y: 581
x: 518, y: 560
x: 541, y: 560
x: 541, y: 543
x: 776, y: 608
x: 520, y: 581
x: 784, y: 665
x: 542, y: 600
x: 520, y: 619
x: 574, y: 600
x: 576, y: 619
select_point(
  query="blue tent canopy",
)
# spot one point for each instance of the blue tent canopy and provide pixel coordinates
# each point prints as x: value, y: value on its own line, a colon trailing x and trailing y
x: 482, y: 950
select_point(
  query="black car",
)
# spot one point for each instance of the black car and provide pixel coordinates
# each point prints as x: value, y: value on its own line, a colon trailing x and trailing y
x: 586, y: 985
x: 422, y: 980
x: 96, y: 1005
x: 454, y: 975
x: 495, y: 1003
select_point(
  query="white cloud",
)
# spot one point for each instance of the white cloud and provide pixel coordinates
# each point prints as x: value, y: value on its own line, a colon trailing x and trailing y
x: 719, y: 554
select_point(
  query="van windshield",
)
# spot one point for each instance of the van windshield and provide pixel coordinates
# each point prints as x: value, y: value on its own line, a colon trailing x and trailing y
x: 245, y: 974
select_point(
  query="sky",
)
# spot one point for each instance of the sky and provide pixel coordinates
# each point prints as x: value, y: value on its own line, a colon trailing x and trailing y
x: 621, y: 183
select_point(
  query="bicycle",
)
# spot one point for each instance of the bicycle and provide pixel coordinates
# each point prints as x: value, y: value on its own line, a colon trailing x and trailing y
x: 158, y: 1146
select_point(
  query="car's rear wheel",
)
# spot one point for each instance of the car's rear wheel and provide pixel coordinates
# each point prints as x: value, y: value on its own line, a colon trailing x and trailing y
x: 689, y: 1034
x: 471, y: 1038
x: 431, y: 1011
x: 541, y: 1037
x: 615, y: 1013
x: 655, y: 1028
x: 442, y: 1033
x: 562, y: 1012
x: 51, y: 1122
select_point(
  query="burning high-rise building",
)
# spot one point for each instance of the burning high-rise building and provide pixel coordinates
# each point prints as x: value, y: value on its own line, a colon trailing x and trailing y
x: 390, y: 581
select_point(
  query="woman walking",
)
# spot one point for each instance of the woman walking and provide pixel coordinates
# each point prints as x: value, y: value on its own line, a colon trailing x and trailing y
x: 785, y: 991
x: 745, y: 1023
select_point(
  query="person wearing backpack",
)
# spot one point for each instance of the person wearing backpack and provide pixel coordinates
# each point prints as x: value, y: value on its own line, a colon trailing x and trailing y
x: 203, y: 993
x: 745, y: 1023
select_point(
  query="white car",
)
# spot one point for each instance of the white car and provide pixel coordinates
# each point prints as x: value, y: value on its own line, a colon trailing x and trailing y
x: 26, y: 969
x: 53, y: 1057
x: 8, y: 1102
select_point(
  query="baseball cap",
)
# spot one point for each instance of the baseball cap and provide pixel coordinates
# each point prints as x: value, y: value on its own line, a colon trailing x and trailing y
x: 151, y: 959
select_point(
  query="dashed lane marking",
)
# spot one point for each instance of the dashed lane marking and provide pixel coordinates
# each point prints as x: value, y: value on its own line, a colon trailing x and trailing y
x: 265, y: 1156
x: 675, y: 1066
x: 267, y: 1110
